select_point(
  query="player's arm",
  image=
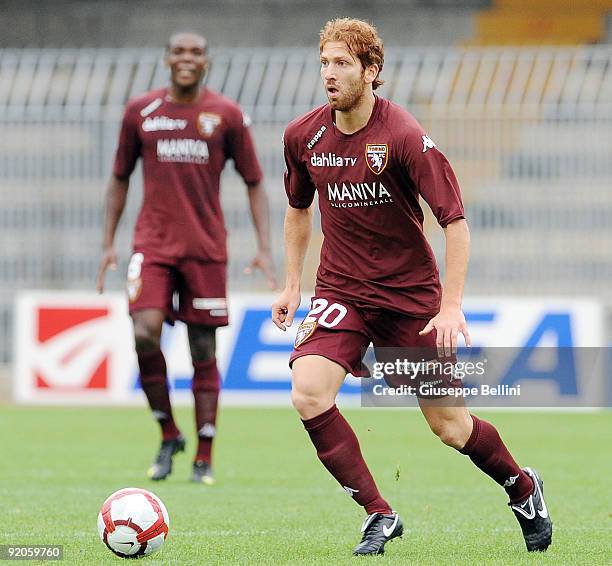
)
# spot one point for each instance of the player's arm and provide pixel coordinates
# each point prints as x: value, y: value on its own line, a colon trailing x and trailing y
x: 298, y: 228
x: 128, y: 151
x: 116, y: 196
x: 260, y: 212
x: 457, y: 236
x: 436, y: 182
x: 242, y: 150
x: 450, y: 321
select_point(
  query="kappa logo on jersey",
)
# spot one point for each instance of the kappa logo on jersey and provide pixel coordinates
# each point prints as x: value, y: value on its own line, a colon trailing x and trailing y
x: 315, y: 139
x: 72, y: 349
x: 304, y: 332
x: 331, y: 160
x: 158, y: 123
x: 207, y: 122
x: 151, y: 107
x: 182, y: 151
x: 353, y: 195
x: 427, y: 144
x: 377, y: 155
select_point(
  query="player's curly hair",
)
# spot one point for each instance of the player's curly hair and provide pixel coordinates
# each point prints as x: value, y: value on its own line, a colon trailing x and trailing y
x: 362, y: 40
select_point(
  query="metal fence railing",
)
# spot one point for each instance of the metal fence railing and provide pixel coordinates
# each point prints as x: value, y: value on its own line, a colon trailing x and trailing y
x: 270, y: 79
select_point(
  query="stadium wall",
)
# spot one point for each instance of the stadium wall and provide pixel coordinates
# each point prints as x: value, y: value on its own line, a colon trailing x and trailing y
x: 116, y: 23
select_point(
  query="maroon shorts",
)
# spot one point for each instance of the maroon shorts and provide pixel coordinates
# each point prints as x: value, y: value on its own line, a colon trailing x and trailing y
x: 185, y: 289
x: 340, y: 331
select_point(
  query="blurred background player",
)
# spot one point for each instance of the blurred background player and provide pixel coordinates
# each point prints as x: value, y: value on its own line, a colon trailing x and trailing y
x: 184, y: 134
x: 377, y: 280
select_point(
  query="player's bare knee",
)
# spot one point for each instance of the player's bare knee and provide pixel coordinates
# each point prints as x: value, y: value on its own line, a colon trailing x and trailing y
x: 202, y: 351
x: 451, y: 436
x: 451, y: 432
x: 315, y: 384
x: 202, y: 343
x: 145, y: 340
x: 301, y: 401
x: 308, y: 403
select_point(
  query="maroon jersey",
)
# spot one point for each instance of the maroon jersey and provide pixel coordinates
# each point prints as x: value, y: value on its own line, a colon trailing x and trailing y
x: 184, y: 148
x: 374, y: 250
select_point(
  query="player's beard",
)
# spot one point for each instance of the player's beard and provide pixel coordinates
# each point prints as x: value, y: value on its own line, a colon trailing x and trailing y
x: 350, y: 98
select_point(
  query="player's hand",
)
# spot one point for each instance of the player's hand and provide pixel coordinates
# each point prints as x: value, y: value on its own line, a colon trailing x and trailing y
x: 263, y: 261
x: 108, y: 260
x: 448, y: 323
x: 283, y: 309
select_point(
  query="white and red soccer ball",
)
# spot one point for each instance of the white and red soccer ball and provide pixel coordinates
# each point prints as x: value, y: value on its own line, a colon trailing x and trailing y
x: 133, y: 523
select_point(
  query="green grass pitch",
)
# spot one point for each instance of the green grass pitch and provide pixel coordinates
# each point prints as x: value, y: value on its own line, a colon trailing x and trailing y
x: 275, y: 504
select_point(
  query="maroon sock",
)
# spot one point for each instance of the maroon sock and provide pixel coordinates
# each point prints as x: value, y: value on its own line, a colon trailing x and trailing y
x: 155, y: 385
x: 205, y: 386
x: 486, y: 449
x: 338, y: 449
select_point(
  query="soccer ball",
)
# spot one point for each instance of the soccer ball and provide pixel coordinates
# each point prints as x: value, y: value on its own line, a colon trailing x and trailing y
x: 133, y: 523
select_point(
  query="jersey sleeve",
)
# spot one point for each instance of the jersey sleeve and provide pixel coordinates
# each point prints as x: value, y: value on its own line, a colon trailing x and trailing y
x: 129, y: 147
x: 433, y: 177
x: 242, y: 149
x: 298, y: 184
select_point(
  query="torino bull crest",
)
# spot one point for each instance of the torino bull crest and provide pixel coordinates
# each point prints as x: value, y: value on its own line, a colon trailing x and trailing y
x: 377, y: 155
x: 207, y: 122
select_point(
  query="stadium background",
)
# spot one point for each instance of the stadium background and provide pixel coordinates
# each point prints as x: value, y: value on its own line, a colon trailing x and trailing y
x: 517, y: 93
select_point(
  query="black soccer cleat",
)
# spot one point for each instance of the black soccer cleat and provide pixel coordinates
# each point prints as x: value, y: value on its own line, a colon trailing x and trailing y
x: 202, y: 473
x: 378, y: 530
x: 532, y: 515
x: 162, y: 467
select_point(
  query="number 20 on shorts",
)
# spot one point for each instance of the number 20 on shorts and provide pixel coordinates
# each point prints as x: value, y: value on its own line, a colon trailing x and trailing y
x: 328, y: 315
